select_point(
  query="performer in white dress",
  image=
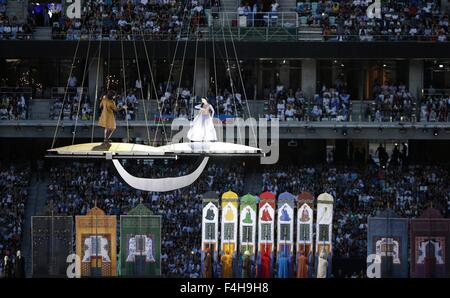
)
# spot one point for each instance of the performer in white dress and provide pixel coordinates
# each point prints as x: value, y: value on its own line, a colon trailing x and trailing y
x: 202, y: 127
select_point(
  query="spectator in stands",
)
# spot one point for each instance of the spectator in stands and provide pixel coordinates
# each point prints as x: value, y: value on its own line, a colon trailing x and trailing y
x: 14, y: 182
x: 13, y: 107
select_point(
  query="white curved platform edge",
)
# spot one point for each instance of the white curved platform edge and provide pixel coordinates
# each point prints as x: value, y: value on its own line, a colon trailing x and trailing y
x: 115, y: 148
x: 159, y: 184
x: 209, y: 148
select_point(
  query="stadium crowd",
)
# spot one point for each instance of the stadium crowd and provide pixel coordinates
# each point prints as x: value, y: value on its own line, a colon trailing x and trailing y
x: 14, y: 182
x: 132, y: 20
x: 10, y: 27
x: 327, y: 104
x: 347, y: 20
x: 392, y: 103
x: 434, y: 106
x: 71, y: 107
x: 72, y: 190
x: 359, y: 193
x: 180, y: 102
x: 13, y: 107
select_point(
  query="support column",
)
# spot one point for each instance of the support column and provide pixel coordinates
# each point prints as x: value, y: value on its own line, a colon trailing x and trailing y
x: 309, y: 77
x: 362, y: 80
x: 259, y: 81
x: 416, y: 70
x: 285, y: 75
x: 95, y: 67
x: 334, y: 73
x: 202, y: 77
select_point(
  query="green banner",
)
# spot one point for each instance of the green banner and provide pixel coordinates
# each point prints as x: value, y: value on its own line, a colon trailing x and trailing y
x: 248, y: 211
x: 140, y: 243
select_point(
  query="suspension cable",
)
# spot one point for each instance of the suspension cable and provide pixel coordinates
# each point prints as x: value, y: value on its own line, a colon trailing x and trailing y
x: 215, y: 73
x: 96, y: 88
x: 170, y: 73
x: 182, y: 69
x: 83, y: 21
x: 242, y: 81
x: 81, y: 92
x: 124, y: 86
x: 139, y: 78
x: 195, y: 75
x: 231, y: 81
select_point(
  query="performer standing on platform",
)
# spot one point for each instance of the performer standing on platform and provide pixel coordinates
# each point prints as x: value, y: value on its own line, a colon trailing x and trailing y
x: 107, y: 119
x: 202, y: 127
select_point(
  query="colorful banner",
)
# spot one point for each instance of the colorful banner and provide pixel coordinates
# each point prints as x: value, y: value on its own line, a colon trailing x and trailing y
x: 247, y: 231
x: 387, y: 237
x: 229, y: 234
x: 285, y: 235
x: 324, y: 230
x: 140, y: 243
x: 266, y: 225
x: 96, y: 243
x: 210, y: 234
x: 429, y: 245
x: 305, y: 221
x: 52, y: 242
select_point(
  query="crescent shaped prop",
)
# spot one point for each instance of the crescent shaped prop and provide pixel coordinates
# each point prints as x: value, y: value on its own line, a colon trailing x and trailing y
x: 159, y: 184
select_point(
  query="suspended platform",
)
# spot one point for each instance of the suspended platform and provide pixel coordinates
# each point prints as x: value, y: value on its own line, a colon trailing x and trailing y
x: 138, y: 151
x: 117, y: 151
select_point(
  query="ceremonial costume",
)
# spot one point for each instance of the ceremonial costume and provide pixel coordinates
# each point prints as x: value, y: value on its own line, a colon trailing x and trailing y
x: 265, y: 265
x: 283, y: 265
x: 323, y: 266
x: 19, y: 266
x: 107, y: 119
x: 208, y: 265
x: 302, y: 266
x: 227, y: 265
x: 202, y: 127
x: 246, y: 265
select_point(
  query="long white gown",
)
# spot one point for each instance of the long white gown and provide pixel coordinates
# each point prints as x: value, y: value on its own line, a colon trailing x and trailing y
x: 202, y: 127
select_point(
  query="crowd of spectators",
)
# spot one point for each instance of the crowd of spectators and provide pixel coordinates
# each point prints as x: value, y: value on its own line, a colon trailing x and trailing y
x: 327, y: 104
x: 10, y: 27
x: 13, y: 107
x: 399, y: 20
x: 359, y: 193
x: 392, y: 102
x: 434, y: 106
x: 132, y: 20
x: 71, y: 108
x: 74, y: 189
x: 181, y: 102
x: 14, y: 182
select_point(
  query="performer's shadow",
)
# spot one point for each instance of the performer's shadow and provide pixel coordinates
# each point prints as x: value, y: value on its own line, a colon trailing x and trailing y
x: 102, y: 147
